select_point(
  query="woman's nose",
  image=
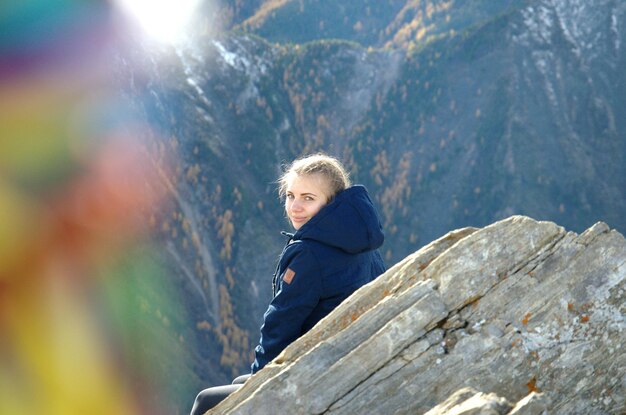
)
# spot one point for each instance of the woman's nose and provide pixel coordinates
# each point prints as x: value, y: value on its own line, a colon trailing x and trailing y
x: 296, y: 205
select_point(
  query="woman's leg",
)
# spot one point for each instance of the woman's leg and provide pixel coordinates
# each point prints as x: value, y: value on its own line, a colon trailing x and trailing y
x: 210, y: 397
x: 241, y: 379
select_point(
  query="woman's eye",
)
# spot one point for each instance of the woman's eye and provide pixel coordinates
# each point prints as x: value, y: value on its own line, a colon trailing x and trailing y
x: 290, y: 197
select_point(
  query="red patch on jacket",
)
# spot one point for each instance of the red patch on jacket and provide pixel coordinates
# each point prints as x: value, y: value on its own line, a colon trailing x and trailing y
x: 289, y: 275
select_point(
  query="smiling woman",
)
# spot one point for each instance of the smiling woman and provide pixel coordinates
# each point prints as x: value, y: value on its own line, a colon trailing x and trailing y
x: 163, y: 20
x: 332, y: 253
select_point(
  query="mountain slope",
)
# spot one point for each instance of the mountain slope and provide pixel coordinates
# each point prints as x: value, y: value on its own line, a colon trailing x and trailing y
x: 498, y: 121
x: 390, y: 23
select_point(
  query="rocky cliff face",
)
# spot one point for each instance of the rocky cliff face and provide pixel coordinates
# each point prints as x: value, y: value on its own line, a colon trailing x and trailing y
x: 527, y: 315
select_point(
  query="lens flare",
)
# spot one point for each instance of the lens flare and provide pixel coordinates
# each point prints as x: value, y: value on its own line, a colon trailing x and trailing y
x: 164, y: 20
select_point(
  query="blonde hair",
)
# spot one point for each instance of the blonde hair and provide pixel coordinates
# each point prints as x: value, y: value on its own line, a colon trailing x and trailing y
x: 328, y: 167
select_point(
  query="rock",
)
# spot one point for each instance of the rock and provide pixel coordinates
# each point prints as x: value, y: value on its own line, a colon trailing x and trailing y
x: 467, y: 401
x: 533, y: 404
x: 520, y: 309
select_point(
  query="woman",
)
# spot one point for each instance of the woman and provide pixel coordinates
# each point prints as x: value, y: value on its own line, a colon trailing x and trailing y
x: 333, y: 252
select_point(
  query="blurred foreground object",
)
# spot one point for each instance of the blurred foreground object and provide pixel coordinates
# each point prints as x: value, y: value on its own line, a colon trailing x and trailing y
x: 75, y: 185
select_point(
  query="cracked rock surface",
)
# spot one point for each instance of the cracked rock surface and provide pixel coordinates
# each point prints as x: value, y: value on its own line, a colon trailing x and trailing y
x: 521, y: 316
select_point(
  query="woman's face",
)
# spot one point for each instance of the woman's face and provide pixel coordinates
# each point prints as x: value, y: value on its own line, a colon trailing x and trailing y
x: 306, y: 195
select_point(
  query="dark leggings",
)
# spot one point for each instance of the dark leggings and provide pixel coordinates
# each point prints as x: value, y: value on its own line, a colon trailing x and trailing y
x: 210, y: 397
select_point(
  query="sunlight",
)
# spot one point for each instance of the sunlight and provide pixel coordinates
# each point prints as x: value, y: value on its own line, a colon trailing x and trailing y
x: 164, y: 20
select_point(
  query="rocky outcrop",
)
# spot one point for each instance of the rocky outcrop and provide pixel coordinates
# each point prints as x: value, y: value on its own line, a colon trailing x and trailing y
x: 517, y: 317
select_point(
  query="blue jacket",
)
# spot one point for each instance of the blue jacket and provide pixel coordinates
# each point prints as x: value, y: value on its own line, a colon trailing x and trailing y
x: 325, y: 261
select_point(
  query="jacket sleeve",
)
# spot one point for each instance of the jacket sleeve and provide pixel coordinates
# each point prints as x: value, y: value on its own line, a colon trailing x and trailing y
x: 299, y: 293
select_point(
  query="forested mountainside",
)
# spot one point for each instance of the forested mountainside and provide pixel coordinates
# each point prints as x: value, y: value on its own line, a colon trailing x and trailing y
x: 514, y: 109
x: 390, y: 23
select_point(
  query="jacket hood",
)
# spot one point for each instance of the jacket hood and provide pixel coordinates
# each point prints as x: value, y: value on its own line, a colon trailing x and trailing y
x: 349, y: 222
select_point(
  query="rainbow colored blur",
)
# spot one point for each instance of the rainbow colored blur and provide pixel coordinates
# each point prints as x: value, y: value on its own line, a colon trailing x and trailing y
x: 76, y: 184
